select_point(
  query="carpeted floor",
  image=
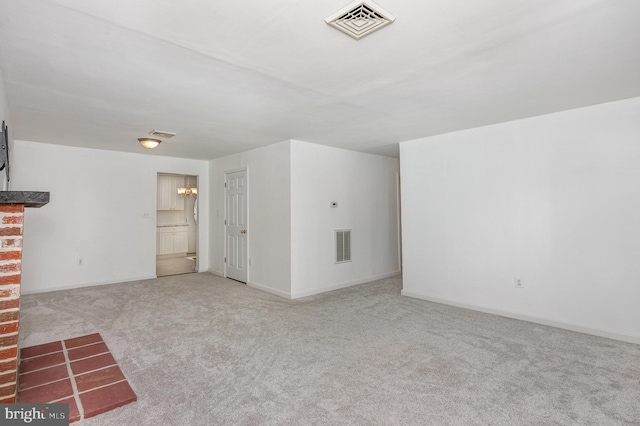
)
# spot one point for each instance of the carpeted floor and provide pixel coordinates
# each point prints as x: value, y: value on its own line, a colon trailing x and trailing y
x: 201, y: 350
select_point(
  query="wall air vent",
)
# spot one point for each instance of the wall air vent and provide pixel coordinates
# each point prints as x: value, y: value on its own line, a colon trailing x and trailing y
x: 162, y: 134
x: 360, y: 18
x: 343, y: 245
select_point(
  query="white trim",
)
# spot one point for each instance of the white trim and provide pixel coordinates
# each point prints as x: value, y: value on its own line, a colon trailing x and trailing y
x: 522, y: 317
x: 82, y: 285
x: 344, y: 285
x: 215, y: 272
x: 266, y: 289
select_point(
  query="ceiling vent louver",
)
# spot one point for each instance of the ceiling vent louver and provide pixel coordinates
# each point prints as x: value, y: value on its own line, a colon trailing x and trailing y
x: 162, y: 134
x: 360, y: 18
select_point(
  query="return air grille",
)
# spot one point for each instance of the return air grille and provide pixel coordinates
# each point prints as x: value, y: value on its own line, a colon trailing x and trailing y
x: 360, y: 18
x: 343, y: 245
x: 162, y: 133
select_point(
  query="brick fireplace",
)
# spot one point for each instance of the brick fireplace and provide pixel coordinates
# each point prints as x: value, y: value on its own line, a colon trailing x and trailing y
x: 12, y: 205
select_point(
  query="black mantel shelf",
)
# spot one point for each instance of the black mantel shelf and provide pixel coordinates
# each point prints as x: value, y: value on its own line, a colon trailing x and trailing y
x: 28, y: 198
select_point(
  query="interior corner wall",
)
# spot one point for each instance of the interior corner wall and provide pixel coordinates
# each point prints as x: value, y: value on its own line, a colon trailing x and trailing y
x: 269, y: 201
x: 551, y: 200
x: 4, y: 116
x: 365, y: 187
x: 96, y: 212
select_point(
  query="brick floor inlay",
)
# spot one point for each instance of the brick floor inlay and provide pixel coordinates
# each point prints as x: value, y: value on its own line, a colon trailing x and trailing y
x: 96, y: 384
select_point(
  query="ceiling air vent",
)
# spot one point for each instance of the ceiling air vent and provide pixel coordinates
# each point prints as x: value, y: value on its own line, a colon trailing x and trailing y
x: 360, y: 18
x: 162, y: 134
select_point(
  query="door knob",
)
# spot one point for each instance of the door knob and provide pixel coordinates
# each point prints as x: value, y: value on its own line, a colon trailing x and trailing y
x: 244, y: 231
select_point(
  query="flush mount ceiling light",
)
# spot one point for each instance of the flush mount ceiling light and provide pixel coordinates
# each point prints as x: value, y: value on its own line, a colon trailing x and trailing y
x: 360, y: 18
x: 149, y: 143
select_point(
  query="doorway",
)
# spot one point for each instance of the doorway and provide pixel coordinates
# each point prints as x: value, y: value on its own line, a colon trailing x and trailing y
x: 177, y: 225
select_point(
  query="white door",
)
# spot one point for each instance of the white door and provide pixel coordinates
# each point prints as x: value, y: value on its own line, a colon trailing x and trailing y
x: 236, y: 224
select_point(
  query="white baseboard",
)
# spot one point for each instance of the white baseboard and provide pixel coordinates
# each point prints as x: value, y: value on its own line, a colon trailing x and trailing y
x: 301, y: 294
x: 82, y: 285
x: 216, y: 272
x: 538, y: 320
x: 269, y: 290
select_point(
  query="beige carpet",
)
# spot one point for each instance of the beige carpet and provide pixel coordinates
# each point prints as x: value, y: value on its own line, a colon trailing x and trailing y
x: 201, y: 350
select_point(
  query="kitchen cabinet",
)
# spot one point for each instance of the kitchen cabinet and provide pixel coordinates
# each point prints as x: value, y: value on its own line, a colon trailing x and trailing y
x: 168, y: 198
x: 172, y: 240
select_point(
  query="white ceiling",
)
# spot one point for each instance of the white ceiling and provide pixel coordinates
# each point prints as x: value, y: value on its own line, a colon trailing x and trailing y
x: 229, y: 76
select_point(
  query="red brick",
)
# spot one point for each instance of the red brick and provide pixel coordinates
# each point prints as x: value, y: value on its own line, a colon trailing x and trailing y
x: 11, y: 400
x: 9, y: 304
x: 7, y: 391
x: 7, y: 353
x: 10, y: 279
x: 8, y: 365
x: 87, y: 351
x: 11, y: 231
x: 10, y: 243
x: 46, y: 393
x: 74, y: 413
x: 11, y: 327
x: 38, y: 350
x: 11, y: 208
x: 9, y: 316
x: 9, y: 290
x: 31, y: 364
x: 83, y: 340
x: 11, y: 255
x: 8, y: 341
x: 19, y: 219
x: 42, y: 377
x: 104, y: 399
x: 8, y: 378
x: 96, y: 379
x: 93, y: 363
x: 11, y: 267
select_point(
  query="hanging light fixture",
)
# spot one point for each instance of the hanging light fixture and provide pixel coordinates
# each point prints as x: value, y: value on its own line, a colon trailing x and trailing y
x: 149, y: 143
x: 185, y: 192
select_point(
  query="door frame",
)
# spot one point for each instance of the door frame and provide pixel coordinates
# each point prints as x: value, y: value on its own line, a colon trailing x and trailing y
x: 248, y: 238
x: 197, y: 224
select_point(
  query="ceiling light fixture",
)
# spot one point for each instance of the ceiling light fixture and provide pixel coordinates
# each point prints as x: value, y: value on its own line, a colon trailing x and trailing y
x: 149, y: 143
x: 188, y: 190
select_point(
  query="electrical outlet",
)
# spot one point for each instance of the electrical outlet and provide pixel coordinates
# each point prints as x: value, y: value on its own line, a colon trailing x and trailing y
x: 80, y: 261
x: 518, y: 282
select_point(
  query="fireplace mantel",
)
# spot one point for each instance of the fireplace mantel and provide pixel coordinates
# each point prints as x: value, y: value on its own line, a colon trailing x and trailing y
x: 28, y: 198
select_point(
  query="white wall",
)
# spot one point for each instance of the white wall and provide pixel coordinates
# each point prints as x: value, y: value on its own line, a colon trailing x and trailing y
x: 269, y: 232
x: 365, y: 187
x: 553, y: 200
x: 98, y: 199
